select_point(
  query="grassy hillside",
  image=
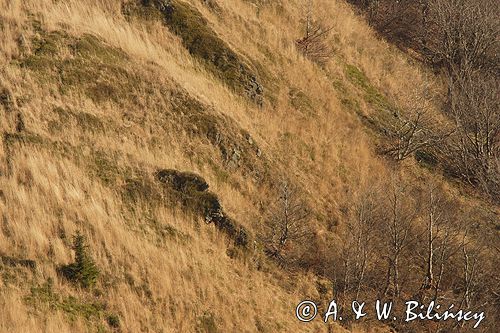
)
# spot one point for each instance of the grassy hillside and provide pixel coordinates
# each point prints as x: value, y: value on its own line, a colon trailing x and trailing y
x: 97, y: 97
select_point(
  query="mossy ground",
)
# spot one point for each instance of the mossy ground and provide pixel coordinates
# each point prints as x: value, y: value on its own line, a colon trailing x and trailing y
x: 84, y: 120
x: 94, y: 312
x: 300, y: 101
x: 93, y: 67
x: 102, y: 73
x: 384, y: 113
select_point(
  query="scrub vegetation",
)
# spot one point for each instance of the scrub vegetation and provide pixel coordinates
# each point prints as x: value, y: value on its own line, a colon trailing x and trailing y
x: 205, y: 165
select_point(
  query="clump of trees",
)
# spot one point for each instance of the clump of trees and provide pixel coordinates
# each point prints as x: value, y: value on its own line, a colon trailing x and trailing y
x: 402, y: 242
x: 474, y: 149
x: 458, y: 38
x: 465, y: 44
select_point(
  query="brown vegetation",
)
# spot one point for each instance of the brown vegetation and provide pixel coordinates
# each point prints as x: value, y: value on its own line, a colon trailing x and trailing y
x: 117, y: 117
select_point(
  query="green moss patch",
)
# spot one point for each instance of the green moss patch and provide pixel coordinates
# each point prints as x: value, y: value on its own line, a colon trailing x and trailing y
x: 372, y: 95
x: 43, y: 297
x: 83, y: 120
x: 105, y: 166
x: 100, y: 72
x: 236, y: 147
x: 206, y: 323
x: 143, y: 11
x: 94, y: 68
x: 384, y: 112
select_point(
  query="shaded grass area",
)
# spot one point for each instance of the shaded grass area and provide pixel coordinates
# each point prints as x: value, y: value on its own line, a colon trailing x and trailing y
x: 101, y: 73
x: 17, y: 262
x: 203, y: 43
x: 80, y: 65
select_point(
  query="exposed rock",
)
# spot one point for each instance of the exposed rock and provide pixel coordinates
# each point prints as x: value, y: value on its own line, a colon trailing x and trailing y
x: 182, y: 181
x: 249, y: 139
x: 237, y: 233
x: 255, y: 91
x: 235, y: 156
x: 191, y: 191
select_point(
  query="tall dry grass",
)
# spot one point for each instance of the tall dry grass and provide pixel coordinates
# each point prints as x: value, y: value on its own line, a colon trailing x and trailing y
x: 158, y: 284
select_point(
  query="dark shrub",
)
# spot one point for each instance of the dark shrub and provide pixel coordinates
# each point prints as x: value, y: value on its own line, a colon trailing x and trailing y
x: 84, y: 270
x: 113, y: 320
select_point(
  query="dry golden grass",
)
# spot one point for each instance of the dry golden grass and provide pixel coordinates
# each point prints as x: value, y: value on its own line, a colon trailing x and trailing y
x: 158, y: 284
x: 185, y: 277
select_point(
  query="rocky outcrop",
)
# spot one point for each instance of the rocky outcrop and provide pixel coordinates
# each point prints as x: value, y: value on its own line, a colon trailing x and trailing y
x: 237, y: 148
x: 191, y: 191
x: 182, y: 181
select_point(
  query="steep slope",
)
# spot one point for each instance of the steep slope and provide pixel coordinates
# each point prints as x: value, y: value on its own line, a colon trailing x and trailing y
x: 162, y: 131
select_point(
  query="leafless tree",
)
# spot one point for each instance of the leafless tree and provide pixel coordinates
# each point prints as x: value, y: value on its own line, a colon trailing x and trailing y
x: 359, y: 247
x: 433, y: 220
x: 287, y: 222
x: 414, y: 128
x: 475, y: 147
x: 464, y: 35
x: 314, y: 44
x: 397, y: 233
x: 475, y: 286
x: 445, y: 248
x: 470, y: 260
x: 463, y: 40
x: 441, y: 238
